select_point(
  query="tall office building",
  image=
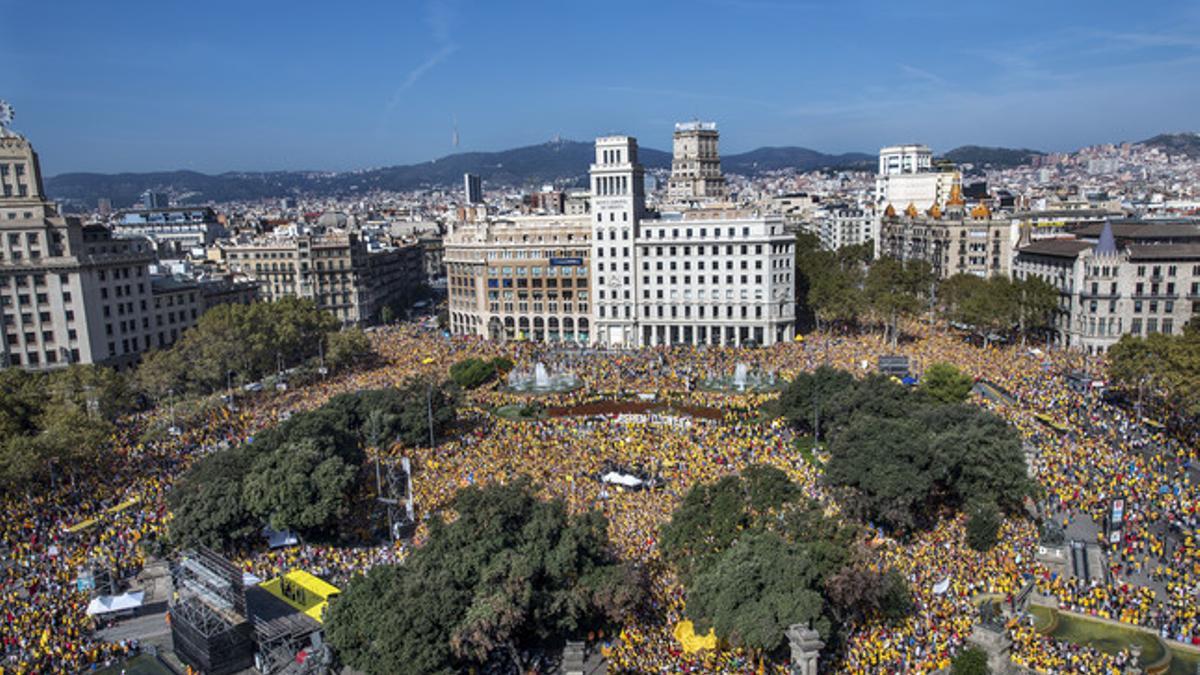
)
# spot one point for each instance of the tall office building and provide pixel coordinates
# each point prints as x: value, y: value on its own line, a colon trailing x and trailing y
x: 472, y: 188
x: 154, y: 200
x: 696, y: 164
x: 901, y: 159
x: 615, y: 275
x: 618, y: 203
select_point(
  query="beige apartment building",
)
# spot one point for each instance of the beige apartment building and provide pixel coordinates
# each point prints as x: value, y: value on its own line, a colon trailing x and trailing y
x: 69, y: 293
x: 337, y: 271
x: 521, y: 278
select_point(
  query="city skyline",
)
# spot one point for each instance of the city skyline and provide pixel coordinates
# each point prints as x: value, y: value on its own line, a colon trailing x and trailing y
x: 153, y: 87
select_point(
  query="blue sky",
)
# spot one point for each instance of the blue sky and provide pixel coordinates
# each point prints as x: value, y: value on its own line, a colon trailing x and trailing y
x: 259, y: 84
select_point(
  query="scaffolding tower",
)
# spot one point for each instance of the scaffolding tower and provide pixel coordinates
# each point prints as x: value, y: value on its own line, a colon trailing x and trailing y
x: 209, y: 625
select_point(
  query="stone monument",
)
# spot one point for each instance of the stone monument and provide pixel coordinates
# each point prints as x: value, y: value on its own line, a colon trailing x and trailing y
x: 806, y: 648
x: 990, y: 636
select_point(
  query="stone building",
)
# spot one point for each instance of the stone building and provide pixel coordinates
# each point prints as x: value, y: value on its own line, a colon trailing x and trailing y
x: 337, y: 271
x: 69, y: 293
x: 1135, y: 284
x: 953, y: 241
x: 521, y: 278
x: 696, y: 164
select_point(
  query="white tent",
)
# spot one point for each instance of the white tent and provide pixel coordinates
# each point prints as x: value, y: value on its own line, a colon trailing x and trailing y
x: 941, y: 586
x: 106, y: 604
x: 623, y: 479
x: 279, y: 538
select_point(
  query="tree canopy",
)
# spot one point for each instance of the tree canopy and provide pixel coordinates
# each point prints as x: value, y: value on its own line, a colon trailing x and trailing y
x: 756, y: 556
x: 901, y: 455
x: 54, y: 422
x: 472, y: 372
x: 249, y: 340
x: 1162, y: 368
x: 999, y: 305
x: 300, y: 474
x: 947, y: 384
x: 511, y: 573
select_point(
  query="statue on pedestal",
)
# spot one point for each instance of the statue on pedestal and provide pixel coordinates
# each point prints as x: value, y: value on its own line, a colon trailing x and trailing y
x: 806, y: 648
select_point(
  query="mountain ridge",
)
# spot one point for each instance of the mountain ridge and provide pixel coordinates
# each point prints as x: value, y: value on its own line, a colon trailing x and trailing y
x: 563, y: 162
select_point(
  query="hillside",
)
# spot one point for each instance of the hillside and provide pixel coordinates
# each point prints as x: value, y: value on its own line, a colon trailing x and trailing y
x: 1186, y: 143
x: 564, y: 161
x: 995, y: 158
x: 801, y: 159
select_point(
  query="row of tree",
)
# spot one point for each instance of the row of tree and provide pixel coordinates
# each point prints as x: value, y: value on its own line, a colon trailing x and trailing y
x: 1163, y: 370
x: 847, y: 287
x: 53, y: 424
x: 300, y: 475
x: 999, y: 305
x: 243, y: 343
x: 902, y: 457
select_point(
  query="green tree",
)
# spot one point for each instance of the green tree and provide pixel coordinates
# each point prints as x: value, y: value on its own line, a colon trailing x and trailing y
x: 803, y: 400
x: 943, y: 382
x: 21, y: 459
x: 980, y: 454
x: 894, y: 289
x: 755, y: 590
x: 1164, y: 369
x: 207, y: 505
x: 1036, y: 302
x: 472, y: 372
x: 348, y: 348
x: 983, y: 526
x: 972, y: 661
x: 834, y: 287
x: 888, y: 468
x: 250, y: 340
x: 901, y: 458
x: 302, y: 486
x: 509, y: 574
x: 990, y: 306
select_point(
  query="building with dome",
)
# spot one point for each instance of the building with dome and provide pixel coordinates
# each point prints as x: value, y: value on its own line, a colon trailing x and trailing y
x: 951, y: 237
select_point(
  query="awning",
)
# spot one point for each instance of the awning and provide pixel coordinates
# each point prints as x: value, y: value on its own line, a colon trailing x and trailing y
x: 106, y: 604
x: 279, y: 539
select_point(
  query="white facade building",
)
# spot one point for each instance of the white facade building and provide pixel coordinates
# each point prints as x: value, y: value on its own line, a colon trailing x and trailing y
x: 704, y: 276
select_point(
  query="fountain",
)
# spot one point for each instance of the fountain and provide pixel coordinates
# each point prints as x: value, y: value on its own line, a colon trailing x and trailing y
x: 739, y: 376
x: 539, y: 380
x: 743, y: 379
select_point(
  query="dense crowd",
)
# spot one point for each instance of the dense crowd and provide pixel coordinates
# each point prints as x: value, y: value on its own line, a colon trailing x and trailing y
x: 1085, y: 454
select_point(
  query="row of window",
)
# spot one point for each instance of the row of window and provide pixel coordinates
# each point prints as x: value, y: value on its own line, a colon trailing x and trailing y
x: 661, y: 233
x: 701, y: 312
x: 51, y: 357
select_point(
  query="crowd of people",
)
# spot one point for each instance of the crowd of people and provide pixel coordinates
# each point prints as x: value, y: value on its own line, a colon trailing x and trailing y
x: 1085, y: 454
